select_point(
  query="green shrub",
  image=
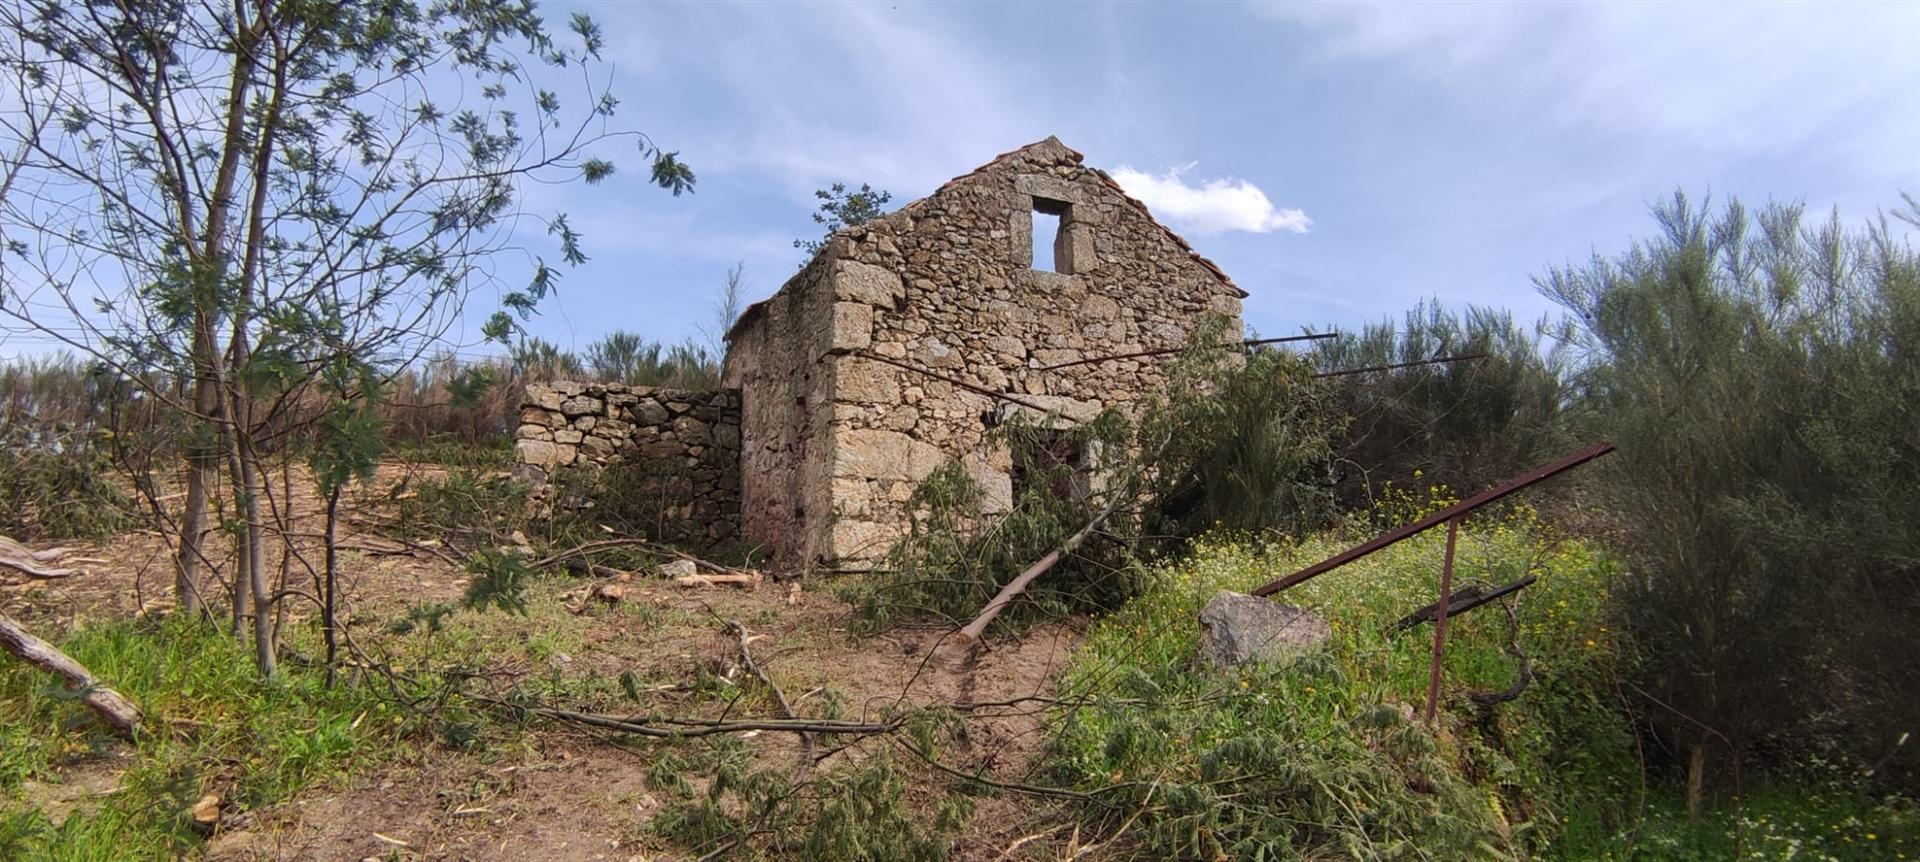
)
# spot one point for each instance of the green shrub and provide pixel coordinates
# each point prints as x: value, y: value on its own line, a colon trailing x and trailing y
x: 56, y: 485
x: 849, y: 814
x: 1757, y: 372
x: 1326, y: 757
x: 1465, y: 425
x: 464, y: 507
x: 1236, y: 441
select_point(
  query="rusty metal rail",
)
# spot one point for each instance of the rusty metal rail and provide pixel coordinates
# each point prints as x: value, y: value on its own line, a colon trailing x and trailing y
x: 1456, y: 510
x: 1452, y: 516
x: 1312, y: 336
x: 1438, y: 360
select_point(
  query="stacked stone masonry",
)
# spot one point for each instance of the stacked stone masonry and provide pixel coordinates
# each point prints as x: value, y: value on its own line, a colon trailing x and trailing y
x: 825, y: 442
x: 835, y: 441
x: 692, y: 436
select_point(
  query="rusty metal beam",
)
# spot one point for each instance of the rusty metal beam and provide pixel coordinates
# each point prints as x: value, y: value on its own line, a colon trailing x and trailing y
x: 1440, y: 621
x: 1401, y: 534
x: 1343, y: 372
x: 1312, y: 336
x: 1463, y: 602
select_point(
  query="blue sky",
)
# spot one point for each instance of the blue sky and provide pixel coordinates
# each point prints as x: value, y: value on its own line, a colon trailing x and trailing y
x: 1341, y: 162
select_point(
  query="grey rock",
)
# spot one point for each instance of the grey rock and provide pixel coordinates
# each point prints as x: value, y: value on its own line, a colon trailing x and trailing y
x: 581, y: 406
x: 649, y: 412
x: 1236, y: 628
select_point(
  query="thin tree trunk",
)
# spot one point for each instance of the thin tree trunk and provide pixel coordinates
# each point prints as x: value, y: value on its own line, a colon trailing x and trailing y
x: 973, y: 630
x: 202, y: 464
x: 1696, y: 779
x: 283, y: 522
x: 242, y: 572
x: 328, y: 622
x: 253, y: 551
x: 117, y: 710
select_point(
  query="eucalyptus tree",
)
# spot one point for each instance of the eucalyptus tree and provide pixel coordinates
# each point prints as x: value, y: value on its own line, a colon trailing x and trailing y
x: 257, y: 197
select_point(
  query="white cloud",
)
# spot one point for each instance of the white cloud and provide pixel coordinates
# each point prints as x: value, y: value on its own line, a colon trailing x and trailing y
x: 1213, y: 206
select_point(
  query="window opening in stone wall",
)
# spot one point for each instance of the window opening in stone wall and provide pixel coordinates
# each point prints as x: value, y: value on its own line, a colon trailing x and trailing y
x: 1049, y: 219
x: 1056, y: 461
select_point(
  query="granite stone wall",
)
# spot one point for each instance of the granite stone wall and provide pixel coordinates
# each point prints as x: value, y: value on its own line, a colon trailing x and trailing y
x: 837, y: 438
x: 682, y: 446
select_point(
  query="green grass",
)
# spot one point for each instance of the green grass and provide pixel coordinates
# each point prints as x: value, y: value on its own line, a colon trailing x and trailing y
x: 1321, y: 758
x: 211, y: 726
x: 1778, y: 821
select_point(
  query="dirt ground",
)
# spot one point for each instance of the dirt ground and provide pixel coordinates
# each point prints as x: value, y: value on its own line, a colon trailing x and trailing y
x: 559, y: 793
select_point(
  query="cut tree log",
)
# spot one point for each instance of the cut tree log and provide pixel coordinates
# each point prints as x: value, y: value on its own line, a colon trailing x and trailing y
x: 117, y: 710
x: 743, y: 580
x: 32, y: 563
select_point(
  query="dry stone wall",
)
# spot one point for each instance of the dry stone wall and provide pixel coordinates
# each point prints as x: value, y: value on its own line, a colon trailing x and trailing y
x: 781, y: 364
x: 684, y: 445
x: 947, y: 284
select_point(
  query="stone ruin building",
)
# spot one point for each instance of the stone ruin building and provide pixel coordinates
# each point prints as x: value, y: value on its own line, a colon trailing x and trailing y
x: 873, y: 365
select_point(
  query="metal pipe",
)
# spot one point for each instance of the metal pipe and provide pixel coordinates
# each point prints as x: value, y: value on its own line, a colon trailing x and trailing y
x: 1466, y: 603
x: 1440, y: 621
x: 1398, y: 365
x: 1314, y: 336
x: 970, y: 387
x: 1436, y: 519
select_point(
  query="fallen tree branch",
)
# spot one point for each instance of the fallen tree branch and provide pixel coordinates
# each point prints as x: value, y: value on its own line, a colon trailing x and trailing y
x: 30, y: 562
x: 595, y: 570
x: 799, y: 772
x: 779, y: 697
x: 971, y: 632
x: 1512, y: 648
x: 743, y: 580
x: 688, y: 728
x: 630, y: 542
x: 117, y: 710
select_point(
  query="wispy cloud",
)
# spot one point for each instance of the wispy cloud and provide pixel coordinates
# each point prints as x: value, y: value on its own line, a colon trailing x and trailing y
x: 903, y: 98
x: 1771, y: 78
x: 1212, y: 206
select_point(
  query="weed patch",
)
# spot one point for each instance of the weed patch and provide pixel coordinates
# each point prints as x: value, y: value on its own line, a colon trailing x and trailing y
x: 212, y: 726
x: 1328, y: 756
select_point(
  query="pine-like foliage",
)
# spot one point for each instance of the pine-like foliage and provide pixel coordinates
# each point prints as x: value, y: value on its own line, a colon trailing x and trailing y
x: 1461, y: 425
x: 1758, y: 374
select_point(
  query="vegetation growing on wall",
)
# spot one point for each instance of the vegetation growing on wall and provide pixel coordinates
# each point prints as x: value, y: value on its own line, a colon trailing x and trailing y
x: 1237, y: 442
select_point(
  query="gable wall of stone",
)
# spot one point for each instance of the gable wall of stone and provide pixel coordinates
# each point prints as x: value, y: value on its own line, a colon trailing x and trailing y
x: 946, y: 284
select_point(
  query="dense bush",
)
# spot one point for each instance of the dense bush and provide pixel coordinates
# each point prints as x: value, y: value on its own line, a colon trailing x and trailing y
x: 1758, y: 373
x: 1465, y: 425
x: 1234, y: 442
x: 55, y: 484
x: 1327, y: 758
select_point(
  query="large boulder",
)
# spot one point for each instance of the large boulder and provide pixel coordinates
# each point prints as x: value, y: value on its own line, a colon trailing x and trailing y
x: 1236, y: 628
